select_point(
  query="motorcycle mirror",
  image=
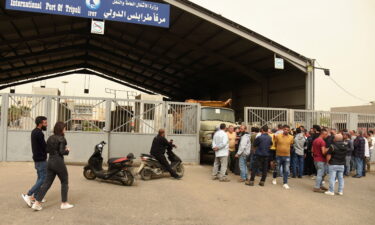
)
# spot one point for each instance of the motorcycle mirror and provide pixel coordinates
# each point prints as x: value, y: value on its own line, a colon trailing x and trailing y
x: 130, y: 156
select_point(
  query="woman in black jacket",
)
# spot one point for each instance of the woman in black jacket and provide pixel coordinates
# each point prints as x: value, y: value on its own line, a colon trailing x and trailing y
x: 56, y: 147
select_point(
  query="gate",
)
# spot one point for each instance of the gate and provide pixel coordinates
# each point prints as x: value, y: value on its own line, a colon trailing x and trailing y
x: 308, y: 118
x: 258, y: 116
x: 126, y: 125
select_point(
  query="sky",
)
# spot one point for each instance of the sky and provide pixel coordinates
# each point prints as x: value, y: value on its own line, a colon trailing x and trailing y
x: 340, y: 34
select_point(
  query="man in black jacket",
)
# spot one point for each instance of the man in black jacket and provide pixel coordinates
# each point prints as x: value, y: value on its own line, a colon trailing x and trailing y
x: 159, y: 145
x: 38, y: 146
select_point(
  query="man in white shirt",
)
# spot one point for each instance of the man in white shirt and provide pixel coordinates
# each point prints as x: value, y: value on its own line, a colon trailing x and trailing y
x: 220, y: 145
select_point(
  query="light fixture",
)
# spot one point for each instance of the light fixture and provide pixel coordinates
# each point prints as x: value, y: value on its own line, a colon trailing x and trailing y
x: 86, y: 84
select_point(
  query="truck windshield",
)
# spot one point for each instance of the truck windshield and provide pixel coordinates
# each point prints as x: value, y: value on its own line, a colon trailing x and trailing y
x: 220, y: 114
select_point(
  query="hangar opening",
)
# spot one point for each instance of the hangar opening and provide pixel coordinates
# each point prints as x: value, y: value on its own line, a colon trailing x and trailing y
x: 201, y: 55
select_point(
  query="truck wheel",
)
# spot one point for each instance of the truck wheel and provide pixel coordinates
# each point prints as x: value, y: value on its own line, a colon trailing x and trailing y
x: 146, y: 174
x: 89, y: 174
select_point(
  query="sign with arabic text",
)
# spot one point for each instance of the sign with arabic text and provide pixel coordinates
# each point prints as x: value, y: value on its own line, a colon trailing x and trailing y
x: 129, y: 11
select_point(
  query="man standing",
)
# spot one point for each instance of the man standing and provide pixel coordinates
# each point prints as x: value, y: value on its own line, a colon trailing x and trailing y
x: 283, y: 143
x: 159, y: 145
x: 336, y: 159
x: 38, y: 146
x: 349, y: 153
x: 319, y: 152
x: 243, y: 152
x: 359, y: 153
x: 220, y: 145
x: 299, y: 157
x: 232, y: 147
x: 262, y: 144
x: 369, y: 145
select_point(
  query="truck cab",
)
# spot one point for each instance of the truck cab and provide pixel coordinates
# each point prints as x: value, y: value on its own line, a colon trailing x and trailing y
x: 211, y: 118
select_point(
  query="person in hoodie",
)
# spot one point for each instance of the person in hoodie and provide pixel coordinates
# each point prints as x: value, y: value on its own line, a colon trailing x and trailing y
x: 299, y: 157
x: 336, y: 158
x: 263, y: 144
x: 243, y: 152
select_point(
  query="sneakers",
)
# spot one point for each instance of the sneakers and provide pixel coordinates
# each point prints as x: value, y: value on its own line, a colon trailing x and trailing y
x: 286, y: 186
x: 329, y: 193
x: 356, y: 176
x: 33, y: 199
x: 214, y: 178
x: 313, y: 177
x: 27, y: 199
x: 318, y: 190
x: 300, y: 177
x: 261, y: 183
x: 37, y: 207
x: 241, y: 180
x: 341, y: 193
x: 66, y: 206
x: 274, y: 181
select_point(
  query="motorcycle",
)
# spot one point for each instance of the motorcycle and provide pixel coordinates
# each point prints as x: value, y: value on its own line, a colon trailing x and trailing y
x: 151, y: 167
x: 119, y: 169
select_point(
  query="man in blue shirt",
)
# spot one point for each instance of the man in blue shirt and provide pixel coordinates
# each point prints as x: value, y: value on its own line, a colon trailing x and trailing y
x: 262, y: 144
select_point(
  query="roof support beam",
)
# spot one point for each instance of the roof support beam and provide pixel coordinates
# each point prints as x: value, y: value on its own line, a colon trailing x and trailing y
x: 241, y: 32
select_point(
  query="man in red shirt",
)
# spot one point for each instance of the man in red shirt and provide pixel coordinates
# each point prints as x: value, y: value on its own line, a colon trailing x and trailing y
x: 319, y: 151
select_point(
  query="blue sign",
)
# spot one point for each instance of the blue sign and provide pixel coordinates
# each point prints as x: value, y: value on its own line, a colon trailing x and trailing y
x: 130, y: 11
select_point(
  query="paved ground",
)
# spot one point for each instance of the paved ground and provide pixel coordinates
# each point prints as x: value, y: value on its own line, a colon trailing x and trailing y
x: 194, y: 200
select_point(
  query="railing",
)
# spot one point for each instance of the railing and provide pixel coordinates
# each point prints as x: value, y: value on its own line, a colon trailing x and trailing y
x: 82, y: 114
x: 259, y: 116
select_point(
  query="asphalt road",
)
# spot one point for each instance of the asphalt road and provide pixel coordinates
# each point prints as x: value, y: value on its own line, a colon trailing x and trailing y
x: 193, y: 200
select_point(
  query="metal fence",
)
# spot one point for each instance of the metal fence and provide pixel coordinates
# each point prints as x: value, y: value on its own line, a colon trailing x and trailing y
x: 127, y: 125
x: 258, y: 116
x: 101, y: 114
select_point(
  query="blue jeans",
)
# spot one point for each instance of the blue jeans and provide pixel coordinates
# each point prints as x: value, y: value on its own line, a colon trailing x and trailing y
x: 336, y: 170
x: 321, y: 170
x: 347, y: 165
x: 283, y: 162
x: 292, y: 162
x: 359, y: 164
x: 298, y: 162
x: 41, y: 171
x: 243, y: 166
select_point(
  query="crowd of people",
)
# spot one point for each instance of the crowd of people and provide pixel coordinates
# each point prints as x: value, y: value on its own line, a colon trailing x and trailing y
x: 292, y: 153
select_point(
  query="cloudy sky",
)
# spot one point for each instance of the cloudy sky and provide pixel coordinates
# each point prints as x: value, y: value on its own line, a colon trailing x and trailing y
x: 340, y: 34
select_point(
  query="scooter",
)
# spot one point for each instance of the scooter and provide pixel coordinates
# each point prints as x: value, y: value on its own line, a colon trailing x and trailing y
x: 151, y: 167
x: 119, y: 169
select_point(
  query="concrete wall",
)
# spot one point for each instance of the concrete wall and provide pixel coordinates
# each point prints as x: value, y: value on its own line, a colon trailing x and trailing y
x: 119, y: 144
x: 361, y: 109
x: 82, y: 145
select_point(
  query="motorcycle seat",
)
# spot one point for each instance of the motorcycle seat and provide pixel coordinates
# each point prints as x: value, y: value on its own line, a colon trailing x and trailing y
x: 117, y: 160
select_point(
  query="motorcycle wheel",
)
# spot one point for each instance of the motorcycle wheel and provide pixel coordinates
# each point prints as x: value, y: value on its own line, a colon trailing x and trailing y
x: 180, y: 170
x: 128, y: 179
x: 89, y: 174
x: 146, y: 174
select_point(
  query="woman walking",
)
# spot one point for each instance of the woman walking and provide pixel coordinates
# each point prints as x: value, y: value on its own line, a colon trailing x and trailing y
x: 56, y: 147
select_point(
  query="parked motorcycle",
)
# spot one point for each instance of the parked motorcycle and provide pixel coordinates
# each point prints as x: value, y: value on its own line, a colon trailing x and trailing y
x: 119, y: 169
x: 151, y: 167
